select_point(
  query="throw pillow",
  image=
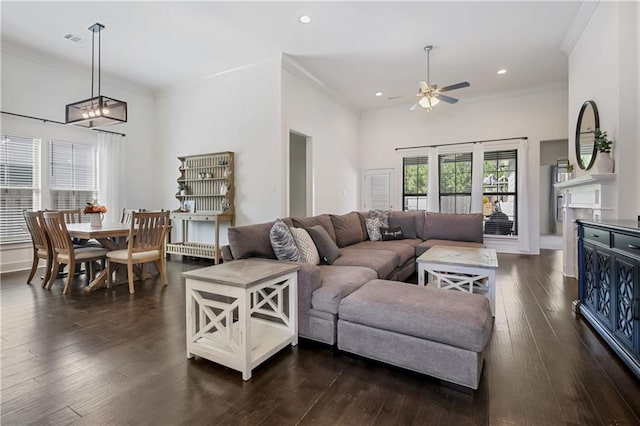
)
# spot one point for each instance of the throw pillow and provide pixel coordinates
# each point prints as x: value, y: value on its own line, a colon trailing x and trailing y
x: 373, y: 228
x: 327, y: 249
x: 282, y: 242
x: 389, y: 234
x: 383, y: 215
x: 406, y: 223
x: 306, y: 246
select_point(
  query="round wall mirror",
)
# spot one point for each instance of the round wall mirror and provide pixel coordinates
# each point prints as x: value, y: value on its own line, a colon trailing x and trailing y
x: 588, y: 122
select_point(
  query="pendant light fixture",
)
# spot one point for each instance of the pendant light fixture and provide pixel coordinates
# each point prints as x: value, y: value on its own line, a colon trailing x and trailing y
x: 97, y: 110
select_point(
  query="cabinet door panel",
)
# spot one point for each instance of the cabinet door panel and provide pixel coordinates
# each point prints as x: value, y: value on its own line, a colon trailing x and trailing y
x: 603, y: 287
x: 626, y: 277
x: 589, y: 287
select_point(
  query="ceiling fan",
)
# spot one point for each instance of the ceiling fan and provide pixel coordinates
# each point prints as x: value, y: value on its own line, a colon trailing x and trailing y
x: 429, y: 95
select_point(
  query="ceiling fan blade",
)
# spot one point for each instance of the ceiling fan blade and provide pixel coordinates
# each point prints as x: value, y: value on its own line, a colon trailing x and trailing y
x: 400, y: 97
x: 414, y: 107
x: 447, y: 99
x: 423, y: 86
x: 454, y: 87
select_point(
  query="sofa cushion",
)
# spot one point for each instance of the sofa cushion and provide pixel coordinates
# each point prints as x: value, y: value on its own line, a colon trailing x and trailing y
x: 391, y: 233
x: 383, y: 215
x: 327, y: 248
x: 417, y: 215
x: 347, y: 228
x: 426, y: 245
x: 456, y: 227
x: 384, y: 262
x: 454, y: 318
x: 337, y: 283
x: 306, y: 246
x: 323, y: 220
x: 251, y: 241
x: 363, y: 216
x: 404, y: 249
x: 406, y: 223
x: 373, y: 225
x: 283, y: 243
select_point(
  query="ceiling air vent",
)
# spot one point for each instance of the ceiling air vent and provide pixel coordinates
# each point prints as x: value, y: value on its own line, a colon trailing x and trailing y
x: 72, y: 37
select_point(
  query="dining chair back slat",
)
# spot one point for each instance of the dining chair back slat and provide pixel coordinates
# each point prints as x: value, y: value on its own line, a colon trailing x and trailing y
x: 56, y: 226
x: 127, y: 215
x: 41, y: 243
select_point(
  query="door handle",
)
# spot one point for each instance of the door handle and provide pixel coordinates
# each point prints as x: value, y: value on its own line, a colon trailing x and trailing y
x: 631, y: 246
x: 595, y: 235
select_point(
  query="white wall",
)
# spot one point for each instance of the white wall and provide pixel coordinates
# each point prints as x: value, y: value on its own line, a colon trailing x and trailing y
x: 334, y: 134
x: 538, y: 116
x: 33, y: 86
x: 603, y: 67
x: 237, y: 111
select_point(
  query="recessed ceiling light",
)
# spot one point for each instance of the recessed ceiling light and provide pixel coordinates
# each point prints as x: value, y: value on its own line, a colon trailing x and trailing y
x: 378, y: 93
x: 305, y: 19
x: 502, y: 71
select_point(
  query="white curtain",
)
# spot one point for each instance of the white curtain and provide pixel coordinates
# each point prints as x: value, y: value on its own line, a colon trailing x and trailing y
x: 523, y: 196
x: 111, y: 158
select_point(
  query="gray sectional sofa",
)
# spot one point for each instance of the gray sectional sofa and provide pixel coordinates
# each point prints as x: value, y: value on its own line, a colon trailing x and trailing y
x: 321, y: 288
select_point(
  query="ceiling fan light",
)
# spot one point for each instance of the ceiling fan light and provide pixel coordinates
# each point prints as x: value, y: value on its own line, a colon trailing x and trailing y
x: 428, y: 101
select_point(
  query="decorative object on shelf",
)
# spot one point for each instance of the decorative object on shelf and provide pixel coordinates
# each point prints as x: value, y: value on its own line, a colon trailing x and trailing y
x: 189, y: 206
x: 96, y: 213
x: 182, y: 189
x: 604, y: 162
x: 97, y: 110
x: 588, y: 122
x: 569, y: 170
x: 227, y: 172
x: 223, y: 189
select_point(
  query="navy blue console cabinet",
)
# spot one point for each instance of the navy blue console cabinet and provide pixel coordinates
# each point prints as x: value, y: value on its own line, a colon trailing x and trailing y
x: 609, y: 284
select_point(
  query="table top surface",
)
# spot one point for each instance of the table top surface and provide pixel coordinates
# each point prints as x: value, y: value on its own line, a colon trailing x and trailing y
x: 242, y: 273
x: 461, y: 256
x: 85, y: 230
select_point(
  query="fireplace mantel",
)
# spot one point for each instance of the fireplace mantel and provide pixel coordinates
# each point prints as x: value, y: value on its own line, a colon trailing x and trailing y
x: 585, y: 197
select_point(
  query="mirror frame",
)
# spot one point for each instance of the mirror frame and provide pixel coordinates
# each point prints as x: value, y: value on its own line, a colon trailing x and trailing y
x: 577, y: 140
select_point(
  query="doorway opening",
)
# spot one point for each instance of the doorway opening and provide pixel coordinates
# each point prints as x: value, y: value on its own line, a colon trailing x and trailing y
x: 552, y: 153
x: 300, y: 181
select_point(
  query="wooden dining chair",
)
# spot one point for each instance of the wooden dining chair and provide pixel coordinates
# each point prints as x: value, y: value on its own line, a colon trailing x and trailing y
x: 64, y: 252
x: 146, y: 244
x: 71, y: 215
x: 41, y: 244
x: 127, y: 215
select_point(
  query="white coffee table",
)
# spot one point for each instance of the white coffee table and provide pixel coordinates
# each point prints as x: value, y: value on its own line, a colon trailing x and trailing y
x: 466, y: 269
x: 237, y: 313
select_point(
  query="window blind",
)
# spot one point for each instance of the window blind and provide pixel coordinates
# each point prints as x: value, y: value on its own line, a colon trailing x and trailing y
x: 19, y: 185
x: 73, y: 174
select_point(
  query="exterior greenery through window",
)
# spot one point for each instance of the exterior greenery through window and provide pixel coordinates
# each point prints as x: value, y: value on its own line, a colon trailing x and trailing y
x: 19, y: 185
x: 454, y: 171
x: 415, y: 174
x: 499, y: 190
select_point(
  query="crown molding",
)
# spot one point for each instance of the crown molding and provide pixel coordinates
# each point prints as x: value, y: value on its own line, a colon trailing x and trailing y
x: 579, y: 24
x: 295, y: 68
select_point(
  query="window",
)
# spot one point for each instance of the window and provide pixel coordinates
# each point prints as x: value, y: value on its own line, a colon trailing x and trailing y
x: 19, y: 184
x: 455, y: 182
x: 415, y: 174
x: 499, y: 192
x: 73, y: 175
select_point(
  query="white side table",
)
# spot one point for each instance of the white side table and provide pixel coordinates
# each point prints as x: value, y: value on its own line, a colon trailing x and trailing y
x: 237, y: 313
x: 466, y: 269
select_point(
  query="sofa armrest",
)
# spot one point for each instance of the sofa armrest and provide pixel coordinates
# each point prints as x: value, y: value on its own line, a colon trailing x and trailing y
x: 309, y: 280
x: 226, y: 253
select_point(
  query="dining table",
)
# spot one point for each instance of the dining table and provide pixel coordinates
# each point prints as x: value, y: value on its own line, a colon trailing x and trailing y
x: 112, y: 236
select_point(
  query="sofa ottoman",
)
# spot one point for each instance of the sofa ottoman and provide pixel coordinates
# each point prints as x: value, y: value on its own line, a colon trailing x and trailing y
x: 436, y: 332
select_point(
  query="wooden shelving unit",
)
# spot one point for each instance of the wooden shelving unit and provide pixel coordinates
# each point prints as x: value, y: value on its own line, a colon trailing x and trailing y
x: 208, y: 196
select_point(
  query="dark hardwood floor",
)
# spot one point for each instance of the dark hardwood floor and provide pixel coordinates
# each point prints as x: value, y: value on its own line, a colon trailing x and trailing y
x: 114, y: 358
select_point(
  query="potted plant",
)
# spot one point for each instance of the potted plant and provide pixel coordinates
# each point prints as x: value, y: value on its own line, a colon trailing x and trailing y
x: 604, y: 163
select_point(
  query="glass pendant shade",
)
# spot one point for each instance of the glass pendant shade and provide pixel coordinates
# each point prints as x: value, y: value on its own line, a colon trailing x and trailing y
x: 428, y: 101
x: 97, y: 111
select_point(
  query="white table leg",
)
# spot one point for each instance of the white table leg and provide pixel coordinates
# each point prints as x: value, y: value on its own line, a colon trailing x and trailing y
x: 421, y: 271
x: 491, y: 283
x: 244, y: 318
